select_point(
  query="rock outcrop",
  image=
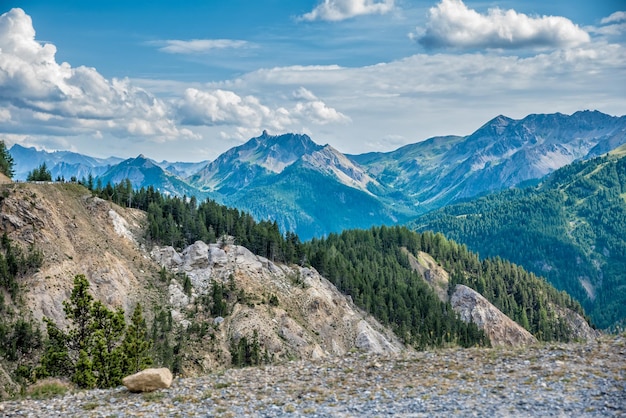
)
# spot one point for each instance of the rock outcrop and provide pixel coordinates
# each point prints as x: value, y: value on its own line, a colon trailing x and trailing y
x: 309, y: 318
x: 501, y: 330
x: 580, y: 329
x: 149, y: 380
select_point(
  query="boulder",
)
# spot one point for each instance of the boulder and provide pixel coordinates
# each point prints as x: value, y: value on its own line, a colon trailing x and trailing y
x: 148, y: 380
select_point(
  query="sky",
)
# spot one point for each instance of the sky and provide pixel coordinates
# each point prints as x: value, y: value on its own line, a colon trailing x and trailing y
x: 186, y: 81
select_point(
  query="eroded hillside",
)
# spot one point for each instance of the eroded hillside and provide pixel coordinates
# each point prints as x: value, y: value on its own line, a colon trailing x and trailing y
x: 291, y: 312
x: 78, y: 234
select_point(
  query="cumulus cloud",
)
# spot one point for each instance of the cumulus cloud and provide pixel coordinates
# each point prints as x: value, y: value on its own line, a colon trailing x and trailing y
x: 223, y: 107
x: 40, y: 94
x: 198, y: 46
x: 336, y: 10
x: 451, y: 24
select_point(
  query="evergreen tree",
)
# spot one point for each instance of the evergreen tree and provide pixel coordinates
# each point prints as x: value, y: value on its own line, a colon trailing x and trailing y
x: 40, y: 173
x: 136, y: 345
x: 6, y: 161
x: 107, y: 355
x: 83, y: 375
x: 97, y: 350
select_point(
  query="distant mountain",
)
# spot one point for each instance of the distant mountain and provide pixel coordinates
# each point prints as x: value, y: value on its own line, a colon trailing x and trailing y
x: 571, y: 228
x: 64, y: 164
x: 143, y: 172
x: 305, y: 187
x: 502, y: 153
x: 182, y: 169
x: 313, y: 189
x: 260, y: 156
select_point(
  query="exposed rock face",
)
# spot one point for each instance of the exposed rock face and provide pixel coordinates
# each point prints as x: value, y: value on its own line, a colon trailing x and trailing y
x: 311, y: 320
x: 78, y: 234
x: 580, y: 328
x: 148, y: 380
x: 501, y: 330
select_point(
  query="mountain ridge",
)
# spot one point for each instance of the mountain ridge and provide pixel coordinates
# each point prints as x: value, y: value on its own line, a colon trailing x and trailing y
x: 409, y: 181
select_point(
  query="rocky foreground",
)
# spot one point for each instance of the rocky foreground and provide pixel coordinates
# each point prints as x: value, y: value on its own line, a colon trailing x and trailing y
x: 569, y: 380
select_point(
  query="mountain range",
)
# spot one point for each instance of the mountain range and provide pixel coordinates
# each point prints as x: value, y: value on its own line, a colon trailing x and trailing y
x: 570, y: 228
x: 313, y: 190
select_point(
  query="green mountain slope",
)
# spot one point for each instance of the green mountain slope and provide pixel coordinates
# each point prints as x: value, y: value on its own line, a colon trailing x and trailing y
x: 571, y: 229
x: 373, y: 267
x: 312, y: 203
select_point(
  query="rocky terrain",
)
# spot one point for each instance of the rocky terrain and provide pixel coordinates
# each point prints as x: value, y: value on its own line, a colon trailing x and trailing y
x: 564, y: 380
x: 296, y: 314
x: 309, y: 319
x: 78, y: 234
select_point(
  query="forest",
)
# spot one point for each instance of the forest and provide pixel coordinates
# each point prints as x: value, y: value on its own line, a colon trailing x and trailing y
x: 369, y: 265
x: 571, y: 229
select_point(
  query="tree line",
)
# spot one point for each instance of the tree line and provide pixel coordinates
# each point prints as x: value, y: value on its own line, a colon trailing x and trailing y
x: 369, y: 265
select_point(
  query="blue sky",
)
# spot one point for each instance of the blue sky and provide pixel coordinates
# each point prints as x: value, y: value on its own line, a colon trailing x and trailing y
x: 188, y: 80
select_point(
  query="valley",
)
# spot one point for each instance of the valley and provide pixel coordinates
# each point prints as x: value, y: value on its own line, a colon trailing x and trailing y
x: 223, y: 287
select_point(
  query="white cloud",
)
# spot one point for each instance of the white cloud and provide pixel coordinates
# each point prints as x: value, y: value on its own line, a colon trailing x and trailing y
x: 336, y: 10
x: 51, y: 98
x: 440, y: 94
x: 452, y: 24
x: 310, y: 108
x: 613, y: 25
x: 223, y: 107
x: 198, y: 46
x: 614, y: 17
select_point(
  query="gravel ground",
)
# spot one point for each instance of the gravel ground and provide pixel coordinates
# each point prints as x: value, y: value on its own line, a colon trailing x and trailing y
x: 554, y: 380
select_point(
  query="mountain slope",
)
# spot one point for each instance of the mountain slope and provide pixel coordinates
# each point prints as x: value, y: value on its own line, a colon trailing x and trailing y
x: 306, y: 188
x: 143, y: 172
x: 293, y: 311
x: 502, y: 153
x: 570, y: 228
x: 312, y: 203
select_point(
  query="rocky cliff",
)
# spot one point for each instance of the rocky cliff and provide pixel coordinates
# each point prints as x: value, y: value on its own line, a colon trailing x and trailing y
x: 78, y: 234
x: 308, y: 317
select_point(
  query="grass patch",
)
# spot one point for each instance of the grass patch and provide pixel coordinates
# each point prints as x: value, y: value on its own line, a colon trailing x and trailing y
x: 90, y: 406
x: 153, y: 396
x: 48, y: 388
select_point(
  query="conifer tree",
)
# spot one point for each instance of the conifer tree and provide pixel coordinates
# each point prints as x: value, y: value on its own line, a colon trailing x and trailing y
x: 6, y: 161
x: 97, y: 350
x: 136, y: 345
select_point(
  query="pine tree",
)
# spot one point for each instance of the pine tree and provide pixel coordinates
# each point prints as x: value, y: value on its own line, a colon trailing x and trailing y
x: 6, y: 161
x: 83, y: 376
x: 40, y: 173
x: 97, y: 350
x: 78, y: 310
x: 136, y: 345
x: 108, y: 358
